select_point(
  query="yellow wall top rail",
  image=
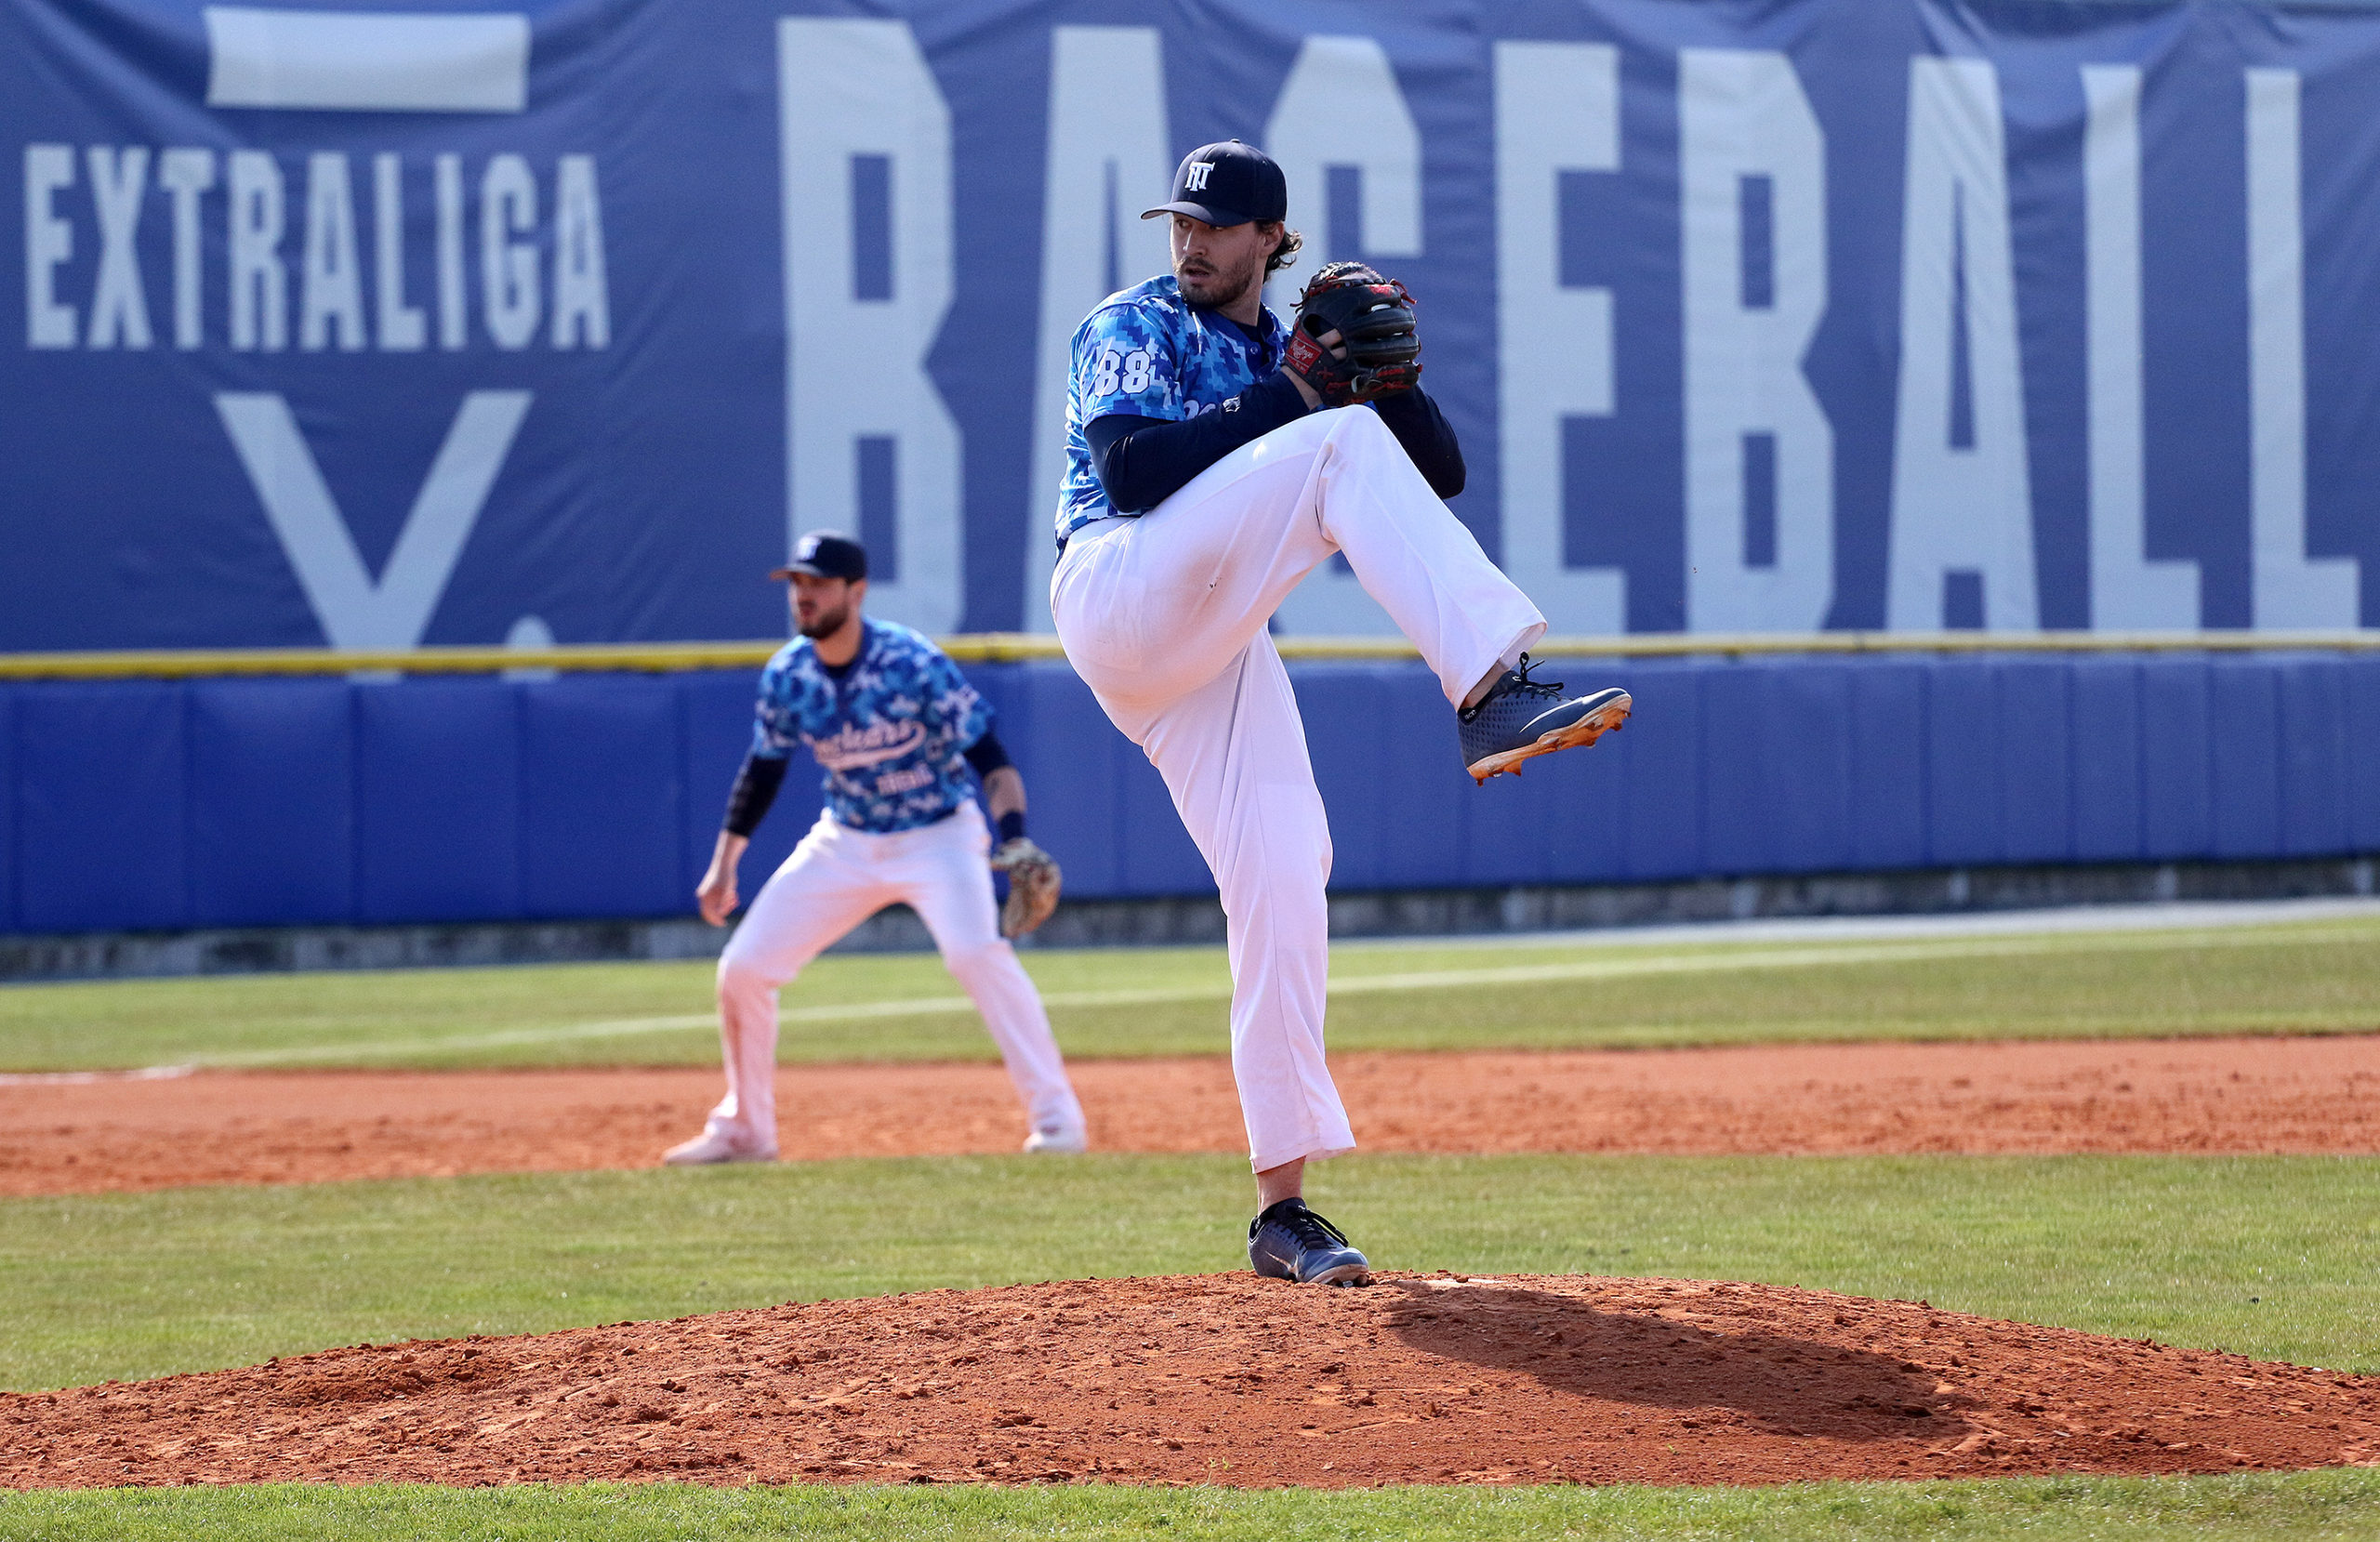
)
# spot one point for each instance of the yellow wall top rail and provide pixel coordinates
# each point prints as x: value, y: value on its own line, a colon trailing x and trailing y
x: 1008, y: 647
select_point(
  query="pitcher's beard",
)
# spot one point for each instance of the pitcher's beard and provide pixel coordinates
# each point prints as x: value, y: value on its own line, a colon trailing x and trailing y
x: 1208, y: 291
x: 826, y: 624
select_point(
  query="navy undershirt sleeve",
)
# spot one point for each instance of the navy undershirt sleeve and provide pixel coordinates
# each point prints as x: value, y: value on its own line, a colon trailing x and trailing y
x: 1428, y: 439
x: 1144, y: 461
x: 987, y: 755
x: 756, y: 789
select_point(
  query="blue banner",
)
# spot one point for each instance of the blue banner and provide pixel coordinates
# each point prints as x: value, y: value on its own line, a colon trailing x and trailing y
x: 383, y: 324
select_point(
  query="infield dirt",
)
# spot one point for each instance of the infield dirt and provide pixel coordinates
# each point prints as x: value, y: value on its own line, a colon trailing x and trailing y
x: 2306, y: 1095
x: 1222, y: 1380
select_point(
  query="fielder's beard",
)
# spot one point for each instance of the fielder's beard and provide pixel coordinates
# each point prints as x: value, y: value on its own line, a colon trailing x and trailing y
x: 825, y: 623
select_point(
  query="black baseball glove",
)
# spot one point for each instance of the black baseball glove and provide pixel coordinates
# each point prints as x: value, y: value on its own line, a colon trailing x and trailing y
x: 1378, y: 353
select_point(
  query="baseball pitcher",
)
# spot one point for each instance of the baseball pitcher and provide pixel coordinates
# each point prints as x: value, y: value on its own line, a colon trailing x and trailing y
x: 895, y: 727
x: 1214, y: 458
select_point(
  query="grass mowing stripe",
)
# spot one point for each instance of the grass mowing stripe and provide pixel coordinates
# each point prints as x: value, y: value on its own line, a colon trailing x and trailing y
x: 2299, y: 1507
x: 2266, y: 1256
x: 1168, y: 1002
x: 1343, y: 985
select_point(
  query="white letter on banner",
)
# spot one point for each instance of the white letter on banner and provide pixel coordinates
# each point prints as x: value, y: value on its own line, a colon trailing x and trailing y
x: 509, y: 284
x: 1558, y: 110
x: 857, y: 380
x: 582, y: 300
x: 1962, y: 503
x: 48, y: 242
x: 454, y: 319
x: 119, y: 184
x: 1744, y: 125
x: 332, y: 297
x: 260, y: 286
x: 1106, y: 162
x: 2289, y: 588
x: 402, y: 327
x: 2128, y: 592
x: 353, y: 610
x: 1340, y: 106
x: 345, y: 61
x: 185, y: 173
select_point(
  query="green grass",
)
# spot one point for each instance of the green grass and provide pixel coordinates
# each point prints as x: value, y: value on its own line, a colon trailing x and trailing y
x: 2288, y: 1506
x: 2304, y: 978
x: 2271, y: 1256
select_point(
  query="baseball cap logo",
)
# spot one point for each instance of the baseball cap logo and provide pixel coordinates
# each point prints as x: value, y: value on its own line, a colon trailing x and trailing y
x: 1197, y: 179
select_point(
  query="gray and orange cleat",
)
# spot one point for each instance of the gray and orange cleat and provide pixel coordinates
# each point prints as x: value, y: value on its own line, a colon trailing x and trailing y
x: 1520, y: 718
x: 1289, y: 1242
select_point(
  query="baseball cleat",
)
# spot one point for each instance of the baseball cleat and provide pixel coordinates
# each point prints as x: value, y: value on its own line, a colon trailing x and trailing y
x: 1520, y: 718
x: 1057, y: 1141
x: 713, y: 1145
x: 1289, y: 1242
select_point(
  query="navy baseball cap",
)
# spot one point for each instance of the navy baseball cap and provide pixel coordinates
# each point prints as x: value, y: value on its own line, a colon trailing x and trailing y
x: 825, y: 554
x: 1227, y: 184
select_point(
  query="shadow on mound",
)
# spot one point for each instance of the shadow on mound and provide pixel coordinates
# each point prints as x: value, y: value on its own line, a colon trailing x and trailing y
x: 1795, y: 1384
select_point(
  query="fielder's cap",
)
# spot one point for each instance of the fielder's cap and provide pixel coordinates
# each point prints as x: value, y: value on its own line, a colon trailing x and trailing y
x: 825, y: 554
x: 1227, y: 184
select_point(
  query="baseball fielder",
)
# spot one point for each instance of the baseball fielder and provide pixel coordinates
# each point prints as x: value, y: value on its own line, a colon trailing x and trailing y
x: 1214, y: 458
x: 895, y: 727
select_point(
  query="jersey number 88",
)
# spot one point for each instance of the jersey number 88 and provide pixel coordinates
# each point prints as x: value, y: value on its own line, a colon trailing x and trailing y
x: 1136, y: 369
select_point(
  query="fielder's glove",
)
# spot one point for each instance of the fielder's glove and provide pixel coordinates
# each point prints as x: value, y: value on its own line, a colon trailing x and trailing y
x: 1033, y: 883
x: 1374, y: 319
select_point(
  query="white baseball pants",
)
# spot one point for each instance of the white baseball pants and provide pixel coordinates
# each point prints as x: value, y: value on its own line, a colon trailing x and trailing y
x: 835, y: 880
x: 1164, y: 616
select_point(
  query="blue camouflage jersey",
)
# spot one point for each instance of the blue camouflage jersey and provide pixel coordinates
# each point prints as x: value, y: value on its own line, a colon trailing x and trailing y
x: 1150, y: 353
x: 891, y: 735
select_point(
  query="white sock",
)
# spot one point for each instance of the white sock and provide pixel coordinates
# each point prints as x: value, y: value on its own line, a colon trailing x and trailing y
x: 1512, y: 660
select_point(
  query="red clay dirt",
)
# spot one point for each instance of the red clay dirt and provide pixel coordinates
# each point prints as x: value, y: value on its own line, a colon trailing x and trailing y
x: 2300, y: 1095
x: 1222, y: 1380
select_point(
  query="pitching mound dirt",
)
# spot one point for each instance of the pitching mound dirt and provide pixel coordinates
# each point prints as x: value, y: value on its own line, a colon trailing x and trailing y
x: 2317, y: 1094
x: 1222, y: 1380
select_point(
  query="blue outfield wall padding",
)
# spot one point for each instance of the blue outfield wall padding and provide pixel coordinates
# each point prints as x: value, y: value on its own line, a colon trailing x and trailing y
x: 1405, y: 769
x: 438, y: 802
x: 1737, y: 802
x: 135, y: 805
x: 1341, y: 704
x: 2364, y: 753
x: 1806, y: 757
x: 1661, y: 764
x: 1073, y: 760
x: 2032, y: 736
x: 2104, y: 709
x: 103, y: 807
x: 272, y: 802
x: 2176, y: 793
x: 2243, y: 705
x: 602, y: 797
x: 1963, y: 798
x: 1887, y: 710
x: 10, y: 869
x: 2313, y: 749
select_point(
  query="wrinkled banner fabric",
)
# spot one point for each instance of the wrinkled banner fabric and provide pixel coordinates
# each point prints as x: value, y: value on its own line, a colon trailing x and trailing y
x: 377, y: 327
